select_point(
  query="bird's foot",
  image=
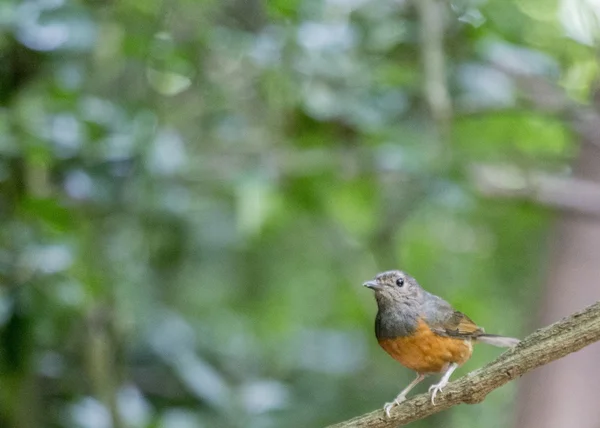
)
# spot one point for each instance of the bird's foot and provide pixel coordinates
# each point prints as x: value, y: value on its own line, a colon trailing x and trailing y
x: 435, y: 388
x: 389, y: 406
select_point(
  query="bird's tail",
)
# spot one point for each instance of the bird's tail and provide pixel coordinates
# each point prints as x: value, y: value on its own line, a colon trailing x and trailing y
x: 501, y: 341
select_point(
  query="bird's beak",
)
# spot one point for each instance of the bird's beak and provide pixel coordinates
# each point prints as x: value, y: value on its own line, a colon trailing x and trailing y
x: 371, y: 284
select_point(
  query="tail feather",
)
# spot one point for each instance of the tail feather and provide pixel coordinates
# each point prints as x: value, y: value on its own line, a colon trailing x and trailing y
x: 501, y: 341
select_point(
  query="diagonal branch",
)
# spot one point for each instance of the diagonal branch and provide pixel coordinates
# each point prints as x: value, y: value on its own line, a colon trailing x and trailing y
x: 543, y: 346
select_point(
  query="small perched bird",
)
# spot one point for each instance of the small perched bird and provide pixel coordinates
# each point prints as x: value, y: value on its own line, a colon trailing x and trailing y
x: 423, y: 332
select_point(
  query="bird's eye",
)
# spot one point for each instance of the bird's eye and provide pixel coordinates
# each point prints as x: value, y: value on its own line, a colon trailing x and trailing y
x: 400, y: 282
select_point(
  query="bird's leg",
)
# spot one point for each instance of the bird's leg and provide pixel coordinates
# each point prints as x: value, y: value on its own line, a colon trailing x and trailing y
x: 402, y: 396
x: 434, y: 389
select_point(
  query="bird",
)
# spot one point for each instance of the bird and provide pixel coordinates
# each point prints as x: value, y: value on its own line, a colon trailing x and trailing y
x: 423, y: 332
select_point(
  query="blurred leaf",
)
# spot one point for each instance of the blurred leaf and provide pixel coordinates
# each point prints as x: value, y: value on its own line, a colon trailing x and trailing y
x: 50, y: 212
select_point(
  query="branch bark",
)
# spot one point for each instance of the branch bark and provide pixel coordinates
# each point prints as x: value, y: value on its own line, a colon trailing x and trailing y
x: 542, y: 347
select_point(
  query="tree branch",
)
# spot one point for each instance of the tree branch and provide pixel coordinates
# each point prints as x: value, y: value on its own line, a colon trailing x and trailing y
x: 565, y: 193
x: 543, y: 346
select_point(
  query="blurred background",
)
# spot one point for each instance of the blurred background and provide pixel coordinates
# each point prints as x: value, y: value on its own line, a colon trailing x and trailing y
x: 192, y: 193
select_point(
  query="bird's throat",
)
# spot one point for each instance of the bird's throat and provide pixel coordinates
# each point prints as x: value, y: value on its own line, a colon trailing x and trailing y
x: 396, y: 322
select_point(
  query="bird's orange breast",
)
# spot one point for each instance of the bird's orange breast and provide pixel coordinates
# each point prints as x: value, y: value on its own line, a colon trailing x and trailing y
x: 426, y: 352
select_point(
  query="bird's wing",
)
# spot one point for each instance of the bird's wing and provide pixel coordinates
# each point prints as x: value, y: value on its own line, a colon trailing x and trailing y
x: 445, y: 321
x: 456, y: 325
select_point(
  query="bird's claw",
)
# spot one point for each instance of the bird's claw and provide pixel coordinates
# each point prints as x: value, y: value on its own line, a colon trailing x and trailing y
x: 434, y: 389
x: 389, y: 406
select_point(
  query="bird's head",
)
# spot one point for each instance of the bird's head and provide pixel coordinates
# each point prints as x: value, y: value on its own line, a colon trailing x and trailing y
x: 394, y: 285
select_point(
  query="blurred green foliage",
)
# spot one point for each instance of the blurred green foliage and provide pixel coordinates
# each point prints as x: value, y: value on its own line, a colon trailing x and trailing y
x: 192, y: 192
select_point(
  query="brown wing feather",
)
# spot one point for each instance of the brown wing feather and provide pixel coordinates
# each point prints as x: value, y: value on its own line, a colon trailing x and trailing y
x: 457, y: 325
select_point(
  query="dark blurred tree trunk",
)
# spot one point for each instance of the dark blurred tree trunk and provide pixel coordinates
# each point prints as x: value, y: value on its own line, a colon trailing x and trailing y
x: 564, y: 393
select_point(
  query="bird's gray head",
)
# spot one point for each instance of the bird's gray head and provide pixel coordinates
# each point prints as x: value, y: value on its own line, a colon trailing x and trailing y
x: 394, y: 286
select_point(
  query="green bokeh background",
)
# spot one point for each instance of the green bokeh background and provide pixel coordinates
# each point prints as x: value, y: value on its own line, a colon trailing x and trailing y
x: 192, y: 193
